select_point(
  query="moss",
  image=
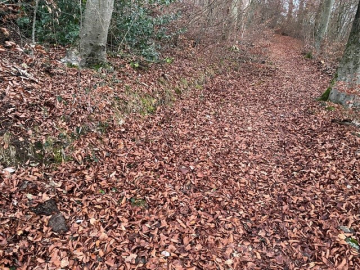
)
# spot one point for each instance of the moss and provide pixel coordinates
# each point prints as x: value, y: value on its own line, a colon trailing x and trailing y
x: 148, y: 104
x: 184, y: 82
x: 15, y: 151
x: 127, y: 88
x: 325, y: 95
x: 309, y: 55
x: 53, y: 151
x: 103, y: 127
x: 178, y: 91
x: 169, y: 60
x: 161, y: 81
x: 334, y: 79
x: 201, y: 80
x: 330, y: 108
x: 100, y: 66
x: 167, y: 97
x: 199, y: 87
x: 58, y: 155
x: 134, y: 65
x: 72, y: 65
x: 138, y: 202
x: 7, y: 151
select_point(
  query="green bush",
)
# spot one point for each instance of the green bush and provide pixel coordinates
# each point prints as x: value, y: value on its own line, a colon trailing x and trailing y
x: 138, y: 28
x: 57, y: 22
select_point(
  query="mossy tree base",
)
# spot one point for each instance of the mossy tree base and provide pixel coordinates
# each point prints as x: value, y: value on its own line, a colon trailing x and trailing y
x: 325, y: 95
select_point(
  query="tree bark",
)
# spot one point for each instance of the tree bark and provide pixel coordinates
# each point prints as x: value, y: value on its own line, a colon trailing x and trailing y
x: 346, y: 12
x: 289, y: 16
x: 244, y: 9
x: 34, y: 22
x: 301, y: 13
x: 300, y: 19
x: 346, y: 90
x: 323, y: 19
x: 232, y: 20
x: 93, y: 36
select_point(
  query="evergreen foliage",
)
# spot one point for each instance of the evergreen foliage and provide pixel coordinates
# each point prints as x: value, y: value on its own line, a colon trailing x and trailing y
x: 137, y: 27
x: 57, y: 23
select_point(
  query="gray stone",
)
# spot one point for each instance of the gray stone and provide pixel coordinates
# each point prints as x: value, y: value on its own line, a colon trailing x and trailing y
x: 72, y: 57
x: 46, y: 208
x: 58, y: 223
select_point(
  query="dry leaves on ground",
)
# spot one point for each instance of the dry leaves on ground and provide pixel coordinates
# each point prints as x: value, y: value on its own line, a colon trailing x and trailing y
x: 246, y: 171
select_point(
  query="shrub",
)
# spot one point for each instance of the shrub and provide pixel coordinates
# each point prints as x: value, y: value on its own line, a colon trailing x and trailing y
x: 57, y: 22
x: 139, y: 26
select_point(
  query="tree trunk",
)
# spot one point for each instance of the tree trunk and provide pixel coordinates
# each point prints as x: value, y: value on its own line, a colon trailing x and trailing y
x: 300, y: 16
x: 93, y: 36
x: 346, y: 89
x: 34, y: 22
x: 244, y: 10
x: 346, y: 13
x: 289, y: 16
x: 232, y: 20
x: 323, y: 19
x: 301, y: 20
x: 288, y: 29
x: 253, y: 5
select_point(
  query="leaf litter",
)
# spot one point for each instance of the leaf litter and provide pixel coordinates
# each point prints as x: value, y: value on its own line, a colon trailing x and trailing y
x: 244, y: 171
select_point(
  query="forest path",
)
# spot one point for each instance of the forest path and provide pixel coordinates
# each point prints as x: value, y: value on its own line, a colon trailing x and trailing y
x: 256, y: 158
x: 252, y: 173
x: 247, y: 172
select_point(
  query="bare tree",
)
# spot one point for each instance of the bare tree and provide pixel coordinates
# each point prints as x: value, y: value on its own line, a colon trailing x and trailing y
x: 232, y: 19
x: 322, y: 22
x: 94, y: 31
x: 34, y: 22
x: 290, y: 11
x: 344, y: 15
x: 348, y: 73
x: 245, y: 4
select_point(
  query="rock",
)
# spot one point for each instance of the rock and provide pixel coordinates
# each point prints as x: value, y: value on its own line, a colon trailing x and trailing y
x: 165, y: 253
x: 140, y: 260
x: 347, y: 100
x: 72, y: 58
x: 46, y: 208
x: 58, y: 223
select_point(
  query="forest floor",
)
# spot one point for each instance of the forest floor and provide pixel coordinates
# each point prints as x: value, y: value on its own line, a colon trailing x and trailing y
x: 244, y: 170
